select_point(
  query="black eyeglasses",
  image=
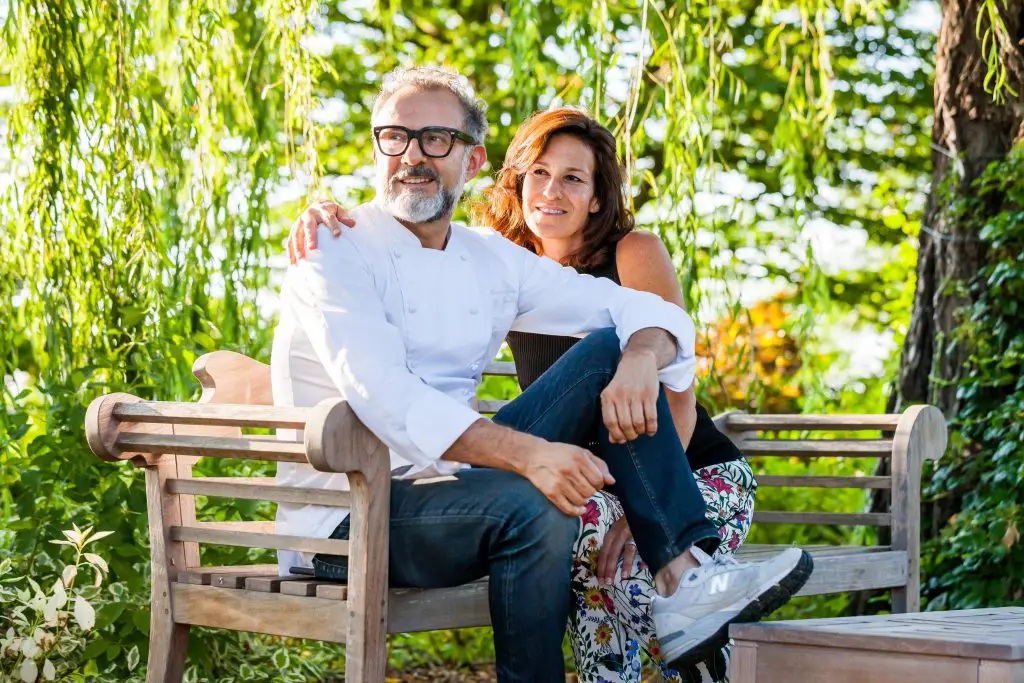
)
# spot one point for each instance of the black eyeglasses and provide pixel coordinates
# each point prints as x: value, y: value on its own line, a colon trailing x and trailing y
x: 435, y: 141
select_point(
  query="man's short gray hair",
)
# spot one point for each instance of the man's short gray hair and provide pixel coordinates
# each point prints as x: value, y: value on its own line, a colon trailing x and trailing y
x: 437, y: 78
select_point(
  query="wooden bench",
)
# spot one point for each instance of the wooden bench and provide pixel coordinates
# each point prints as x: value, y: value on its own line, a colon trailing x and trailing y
x: 168, y: 438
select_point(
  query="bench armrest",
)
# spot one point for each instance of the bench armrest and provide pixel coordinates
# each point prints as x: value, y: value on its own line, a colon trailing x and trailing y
x: 121, y: 426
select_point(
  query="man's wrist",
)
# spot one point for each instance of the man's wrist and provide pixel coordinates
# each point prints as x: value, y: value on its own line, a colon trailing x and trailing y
x: 486, y: 444
x: 640, y: 354
x: 660, y: 343
x: 520, y: 448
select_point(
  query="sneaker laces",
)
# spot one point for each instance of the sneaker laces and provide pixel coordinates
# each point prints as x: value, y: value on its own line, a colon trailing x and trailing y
x: 725, y: 560
x: 708, y: 565
x: 713, y: 562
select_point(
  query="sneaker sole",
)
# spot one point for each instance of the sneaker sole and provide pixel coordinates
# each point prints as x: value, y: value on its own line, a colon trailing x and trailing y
x: 778, y: 592
x: 781, y: 593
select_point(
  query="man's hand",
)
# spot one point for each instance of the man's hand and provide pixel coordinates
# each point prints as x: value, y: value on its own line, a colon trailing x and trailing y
x: 629, y: 402
x: 618, y: 542
x: 568, y: 475
x: 302, y: 237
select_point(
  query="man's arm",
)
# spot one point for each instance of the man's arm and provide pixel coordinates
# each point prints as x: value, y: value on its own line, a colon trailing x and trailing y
x: 629, y: 402
x: 568, y: 475
x: 333, y: 297
x: 657, y: 338
x: 364, y: 355
x: 554, y: 299
x: 657, y: 344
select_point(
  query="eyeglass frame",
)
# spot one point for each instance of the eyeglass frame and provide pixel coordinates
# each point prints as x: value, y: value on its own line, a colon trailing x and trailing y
x: 417, y: 135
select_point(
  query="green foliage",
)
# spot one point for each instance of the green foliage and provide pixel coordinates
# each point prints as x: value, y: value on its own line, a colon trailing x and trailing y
x: 978, y: 560
x: 154, y: 150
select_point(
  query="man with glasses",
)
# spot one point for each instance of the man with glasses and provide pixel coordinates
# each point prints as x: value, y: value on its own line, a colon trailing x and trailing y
x: 400, y: 318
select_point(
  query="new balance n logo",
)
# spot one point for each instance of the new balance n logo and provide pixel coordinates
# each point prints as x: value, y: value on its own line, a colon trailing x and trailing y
x: 719, y: 584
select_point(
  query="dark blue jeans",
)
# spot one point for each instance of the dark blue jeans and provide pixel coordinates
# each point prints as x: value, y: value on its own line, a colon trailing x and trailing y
x: 493, y: 523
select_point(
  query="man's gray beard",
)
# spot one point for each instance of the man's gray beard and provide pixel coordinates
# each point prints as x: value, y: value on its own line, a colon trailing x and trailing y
x: 415, y: 207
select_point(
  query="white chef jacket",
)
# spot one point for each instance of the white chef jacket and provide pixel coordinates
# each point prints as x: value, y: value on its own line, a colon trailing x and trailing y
x: 403, y: 333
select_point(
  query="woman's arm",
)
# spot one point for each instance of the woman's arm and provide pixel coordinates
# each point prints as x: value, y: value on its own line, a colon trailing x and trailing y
x: 644, y: 264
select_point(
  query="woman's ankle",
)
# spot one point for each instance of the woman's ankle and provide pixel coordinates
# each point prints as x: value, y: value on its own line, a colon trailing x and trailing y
x: 666, y: 581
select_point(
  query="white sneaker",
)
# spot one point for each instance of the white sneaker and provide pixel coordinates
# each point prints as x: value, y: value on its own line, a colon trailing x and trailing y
x: 694, y: 622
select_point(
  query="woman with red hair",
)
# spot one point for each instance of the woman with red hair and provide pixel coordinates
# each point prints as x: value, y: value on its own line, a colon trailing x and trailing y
x: 561, y: 193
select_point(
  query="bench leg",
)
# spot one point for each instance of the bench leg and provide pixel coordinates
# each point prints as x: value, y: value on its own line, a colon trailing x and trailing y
x: 920, y: 434
x: 366, y: 659
x: 366, y: 646
x: 168, y: 641
x: 907, y: 599
x: 168, y: 647
x: 336, y: 441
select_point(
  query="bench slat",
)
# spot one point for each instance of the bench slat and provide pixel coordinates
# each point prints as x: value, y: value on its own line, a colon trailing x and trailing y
x: 269, y: 584
x: 500, y: 368
x: 489, y: 407
x: 217, y: 414
x: 214, y: 446
x: 411, y: 610
x: 306, y: 587
x: 225, y: 488
x: 267, y: 481
x: 266, y: 526
x: 818, y: 447
x: 224, y: 577
x: 248, y: 539
x: 332, y: 591
x: 822, y: 482
x: 755, y: 552
x: 256, y: 612
x: 837, y: 518
x: 749, y: 423
x: 857, y: 572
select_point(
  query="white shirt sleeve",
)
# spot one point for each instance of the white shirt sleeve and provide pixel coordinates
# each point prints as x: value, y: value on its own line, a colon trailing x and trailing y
x: 555, y: 299
x: 333, y: 297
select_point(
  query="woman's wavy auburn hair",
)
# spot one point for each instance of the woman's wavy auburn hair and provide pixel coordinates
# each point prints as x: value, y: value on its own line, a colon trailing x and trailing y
x: 502, y: 205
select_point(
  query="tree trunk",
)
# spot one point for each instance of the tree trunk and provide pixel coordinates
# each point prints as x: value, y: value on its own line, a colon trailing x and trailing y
x: 971, y: 130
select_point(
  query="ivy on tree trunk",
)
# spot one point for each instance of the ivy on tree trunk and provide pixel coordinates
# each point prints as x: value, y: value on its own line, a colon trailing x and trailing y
x: 957, y: 330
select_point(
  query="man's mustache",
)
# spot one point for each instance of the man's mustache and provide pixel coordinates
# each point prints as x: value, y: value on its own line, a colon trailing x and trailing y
x: 415, y: 172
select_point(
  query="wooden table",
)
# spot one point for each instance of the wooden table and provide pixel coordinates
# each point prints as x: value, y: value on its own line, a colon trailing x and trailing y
x: 965, y: 646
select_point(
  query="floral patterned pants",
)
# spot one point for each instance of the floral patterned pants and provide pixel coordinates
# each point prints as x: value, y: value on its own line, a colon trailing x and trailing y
x: 611, y: 626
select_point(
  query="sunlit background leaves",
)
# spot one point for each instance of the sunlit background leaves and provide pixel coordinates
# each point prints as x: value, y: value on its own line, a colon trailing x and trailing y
x: 155, y: 154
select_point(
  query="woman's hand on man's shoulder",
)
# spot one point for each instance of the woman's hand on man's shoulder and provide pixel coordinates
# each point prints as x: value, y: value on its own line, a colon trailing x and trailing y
x: 302, y: 237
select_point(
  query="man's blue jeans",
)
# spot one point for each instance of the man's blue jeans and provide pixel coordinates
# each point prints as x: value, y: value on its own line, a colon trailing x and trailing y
x: 493, y: 523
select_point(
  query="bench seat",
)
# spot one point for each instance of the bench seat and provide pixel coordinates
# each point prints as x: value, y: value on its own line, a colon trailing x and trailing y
x: 202, y: 596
